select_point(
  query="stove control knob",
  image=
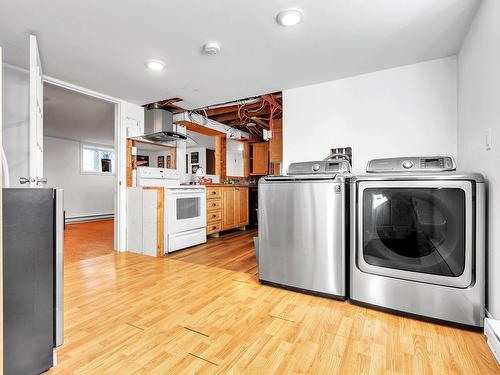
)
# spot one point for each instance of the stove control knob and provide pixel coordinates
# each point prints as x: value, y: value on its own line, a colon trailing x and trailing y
x: 316, y: 167
x: 407, y: 164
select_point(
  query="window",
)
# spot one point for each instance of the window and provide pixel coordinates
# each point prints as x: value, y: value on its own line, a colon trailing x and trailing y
x: 97, y: 159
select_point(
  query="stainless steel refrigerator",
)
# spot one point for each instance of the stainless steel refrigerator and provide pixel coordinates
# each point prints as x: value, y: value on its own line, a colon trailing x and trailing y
x: 33, y: 243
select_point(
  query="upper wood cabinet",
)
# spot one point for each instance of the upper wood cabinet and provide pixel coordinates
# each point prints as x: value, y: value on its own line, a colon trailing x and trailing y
x: 259, y: 157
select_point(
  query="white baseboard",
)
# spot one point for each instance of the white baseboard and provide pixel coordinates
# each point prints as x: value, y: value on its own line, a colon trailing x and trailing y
x: 85, y: 218
x: 492, y: 332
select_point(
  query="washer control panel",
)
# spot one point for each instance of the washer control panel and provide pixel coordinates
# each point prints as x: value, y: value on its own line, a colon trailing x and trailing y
x: 412, y: 164
x: 332, y: 166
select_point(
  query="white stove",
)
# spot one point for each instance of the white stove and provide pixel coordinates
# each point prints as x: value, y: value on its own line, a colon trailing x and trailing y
x: 185, y: 207
x: 160, y: 177
x: 186, y: 216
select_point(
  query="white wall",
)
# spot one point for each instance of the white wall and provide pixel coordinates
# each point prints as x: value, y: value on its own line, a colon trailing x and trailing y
x: 234, y: 158
x: 409, y: 110
x: 15, y: 101
x: 202, y: 158
x: 479, y: 109
x: 153, y: 156
x: 84, y: 194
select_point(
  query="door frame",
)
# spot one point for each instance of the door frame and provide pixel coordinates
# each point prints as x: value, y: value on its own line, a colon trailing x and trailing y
x: 120, y: 154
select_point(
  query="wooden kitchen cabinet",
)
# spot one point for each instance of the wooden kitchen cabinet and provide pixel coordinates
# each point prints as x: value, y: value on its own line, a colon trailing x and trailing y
x: 259, y: 155
x: 242, y: 206
x: 227, y: 208
x: 214, y: 210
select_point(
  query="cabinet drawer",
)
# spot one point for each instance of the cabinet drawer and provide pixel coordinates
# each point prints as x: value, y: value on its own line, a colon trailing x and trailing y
x: 213, y: 204
x: 214, y: 227
x: 214, y: 215
x: 214, y: 193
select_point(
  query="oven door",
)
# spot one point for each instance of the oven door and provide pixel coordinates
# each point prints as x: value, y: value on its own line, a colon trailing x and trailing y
x: 186, y: 209
x: 417, y: 230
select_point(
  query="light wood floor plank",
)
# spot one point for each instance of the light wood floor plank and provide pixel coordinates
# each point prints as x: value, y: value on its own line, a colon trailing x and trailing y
x: 203, y: 310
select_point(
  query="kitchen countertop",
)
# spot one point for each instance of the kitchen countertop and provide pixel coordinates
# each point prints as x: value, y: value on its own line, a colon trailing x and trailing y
x: 229, y: 185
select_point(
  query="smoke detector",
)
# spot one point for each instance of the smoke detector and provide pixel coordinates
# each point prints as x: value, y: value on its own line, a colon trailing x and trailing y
x: 211, y: 48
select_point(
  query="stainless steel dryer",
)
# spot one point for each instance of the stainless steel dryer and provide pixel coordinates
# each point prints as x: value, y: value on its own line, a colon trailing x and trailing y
x: 302, y: 228
x: 418, y: 239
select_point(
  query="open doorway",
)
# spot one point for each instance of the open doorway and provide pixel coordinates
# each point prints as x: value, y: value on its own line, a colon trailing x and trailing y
x: 200, y: 154
x: 80, y: 157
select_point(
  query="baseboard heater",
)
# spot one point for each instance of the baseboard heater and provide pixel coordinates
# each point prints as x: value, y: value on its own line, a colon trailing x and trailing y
x: 79, y: 219
x: 492, y: 332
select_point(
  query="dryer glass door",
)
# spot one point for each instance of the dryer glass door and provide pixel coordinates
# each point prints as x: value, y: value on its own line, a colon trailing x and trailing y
x: 417, y: 232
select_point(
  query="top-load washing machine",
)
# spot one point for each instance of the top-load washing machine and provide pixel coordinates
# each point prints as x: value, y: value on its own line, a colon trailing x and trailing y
x: 418, y: 239
x: 302, y: 228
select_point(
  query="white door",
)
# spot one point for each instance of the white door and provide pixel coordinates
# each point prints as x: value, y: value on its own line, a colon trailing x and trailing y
x: 36, y: 117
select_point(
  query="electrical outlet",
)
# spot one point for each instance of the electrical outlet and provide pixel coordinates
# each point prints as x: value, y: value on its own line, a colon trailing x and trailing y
x: 489, y: 139
x: 343, y: 150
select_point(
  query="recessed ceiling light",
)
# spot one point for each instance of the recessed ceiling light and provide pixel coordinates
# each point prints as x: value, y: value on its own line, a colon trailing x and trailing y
x: 289, y: 17
x: 211, y: 48
x: 155, y: 65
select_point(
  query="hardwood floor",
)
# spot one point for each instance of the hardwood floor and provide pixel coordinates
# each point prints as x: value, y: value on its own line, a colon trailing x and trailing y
x: 232, y: 251
x: 203, y: 310
x: 88, y: 240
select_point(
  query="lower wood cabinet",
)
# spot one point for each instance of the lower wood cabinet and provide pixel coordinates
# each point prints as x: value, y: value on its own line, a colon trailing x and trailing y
x: 227, y: 208
x: 242, y: 209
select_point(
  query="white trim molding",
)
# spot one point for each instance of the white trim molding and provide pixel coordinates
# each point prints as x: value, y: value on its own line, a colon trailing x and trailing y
x: 492, y: 332
x: 120, y: 155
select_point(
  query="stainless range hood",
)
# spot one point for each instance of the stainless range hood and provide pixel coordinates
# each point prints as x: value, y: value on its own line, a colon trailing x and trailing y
x: 159, y: 128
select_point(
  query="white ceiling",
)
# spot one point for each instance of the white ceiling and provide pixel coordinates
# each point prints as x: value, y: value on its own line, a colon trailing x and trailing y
x: 102, y: 44
x: 70, y: 115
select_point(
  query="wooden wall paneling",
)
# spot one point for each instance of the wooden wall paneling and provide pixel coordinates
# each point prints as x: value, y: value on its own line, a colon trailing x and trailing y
x: 220, y: 157
x: 160, y: 220
x: 131, y: 162
x: 276, y: 142
x: 173, y: 157
x: 275, y: 168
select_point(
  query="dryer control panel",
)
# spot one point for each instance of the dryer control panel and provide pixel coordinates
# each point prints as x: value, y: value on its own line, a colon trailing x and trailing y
x: 412, y: 164
x: 323, y: 167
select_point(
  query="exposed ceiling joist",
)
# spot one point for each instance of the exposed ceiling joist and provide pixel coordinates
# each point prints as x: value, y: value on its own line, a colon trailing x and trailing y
x: 252, y: 115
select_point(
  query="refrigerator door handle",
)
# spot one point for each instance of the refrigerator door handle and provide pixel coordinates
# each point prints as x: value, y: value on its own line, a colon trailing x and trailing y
x: 59, y: 271
x: 5, y: 167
